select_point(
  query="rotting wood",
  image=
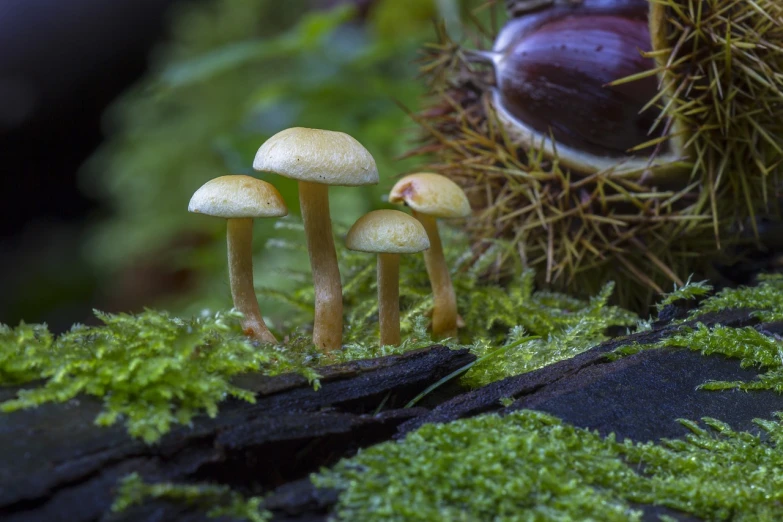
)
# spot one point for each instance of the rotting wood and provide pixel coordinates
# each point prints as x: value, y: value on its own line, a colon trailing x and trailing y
x: 57, y: 465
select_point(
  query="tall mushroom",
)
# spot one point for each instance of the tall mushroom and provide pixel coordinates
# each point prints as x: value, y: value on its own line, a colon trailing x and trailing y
x: 431, y: 196
x: 388, y: 233
x: 316, y: 159
x: 239, y: 199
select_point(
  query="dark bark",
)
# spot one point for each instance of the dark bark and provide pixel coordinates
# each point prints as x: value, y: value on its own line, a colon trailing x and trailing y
x: 58, y: 466
x: 540, y: 382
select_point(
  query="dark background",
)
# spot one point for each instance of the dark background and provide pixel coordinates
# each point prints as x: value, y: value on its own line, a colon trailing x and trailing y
x: 62, y: 62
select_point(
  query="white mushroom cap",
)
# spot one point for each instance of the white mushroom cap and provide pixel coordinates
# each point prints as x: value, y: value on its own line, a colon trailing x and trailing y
x: 431, y: 194
x: 387, y: 232
x: 238, y: 197
x: 317, y: 156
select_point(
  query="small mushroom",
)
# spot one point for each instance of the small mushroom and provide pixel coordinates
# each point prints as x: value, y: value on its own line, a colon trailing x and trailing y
x: 431, y: 196
x: 316, y: 159
x: 388, y: 233
x: 239, y: 199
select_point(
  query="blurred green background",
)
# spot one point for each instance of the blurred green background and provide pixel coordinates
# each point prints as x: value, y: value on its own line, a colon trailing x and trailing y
x: 230, y: 74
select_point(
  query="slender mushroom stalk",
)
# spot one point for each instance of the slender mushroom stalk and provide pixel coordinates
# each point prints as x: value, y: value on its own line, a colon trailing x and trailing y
x: 432, y: 196
x: 314, y: 202
x: 240, y: 275
x: 388, y: 233
x: 239, y: 199
x: 316, y: 159
x: 389, y: 298
x: 444, y: 311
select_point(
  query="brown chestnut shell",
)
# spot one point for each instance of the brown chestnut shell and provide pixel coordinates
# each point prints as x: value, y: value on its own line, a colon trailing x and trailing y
x: 554, y: 80
x: 552, y: 68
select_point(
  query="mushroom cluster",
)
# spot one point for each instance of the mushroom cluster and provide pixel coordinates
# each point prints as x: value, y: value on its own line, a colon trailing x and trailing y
x: 317, y: 159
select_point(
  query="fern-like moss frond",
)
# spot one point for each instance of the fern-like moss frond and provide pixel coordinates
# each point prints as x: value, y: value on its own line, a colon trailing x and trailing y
x: 216, y: 501
x: 151, y: 370
x: 531, y: 466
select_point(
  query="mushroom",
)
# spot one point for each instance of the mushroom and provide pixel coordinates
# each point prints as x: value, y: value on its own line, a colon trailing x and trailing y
x: 239, y: 199
x: 316, y: 159
x: 388, y: 233
x: 432, y: 196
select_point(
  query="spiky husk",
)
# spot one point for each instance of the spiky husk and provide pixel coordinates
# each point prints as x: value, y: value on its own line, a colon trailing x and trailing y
x: 579, y: 230
x: 721, y: 71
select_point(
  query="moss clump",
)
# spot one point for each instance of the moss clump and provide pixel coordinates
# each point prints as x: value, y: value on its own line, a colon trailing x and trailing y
x: 566, y: 328
x: 690, y: 290
x: 152, y: 370
x: 303, y: 354
x: 24, y: 352
x: 766, y: 299
x: 531, y: 466
x: 217, y: 501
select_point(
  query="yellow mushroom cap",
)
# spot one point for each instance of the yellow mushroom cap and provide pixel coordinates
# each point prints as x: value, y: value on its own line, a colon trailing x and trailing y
x: 317, y: 156
x: 238, y: 197
x: 387, y: 232
x: 431, y: 194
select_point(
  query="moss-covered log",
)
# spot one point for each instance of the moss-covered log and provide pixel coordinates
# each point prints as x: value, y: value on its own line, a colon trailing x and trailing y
x: 621, y: 381
x: 639, y: 397
x: 57, y: 465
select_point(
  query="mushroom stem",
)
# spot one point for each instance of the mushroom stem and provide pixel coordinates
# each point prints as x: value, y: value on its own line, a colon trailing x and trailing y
x: 328, y: 324
x: 389, y: 298
x: 444, y: 312
x: 240, y: 274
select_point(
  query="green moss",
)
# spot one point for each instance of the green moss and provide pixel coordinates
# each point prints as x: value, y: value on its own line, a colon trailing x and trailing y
x: 302, y: 355
x: 154, y: 370
x: 151, y: 370
x: 24, y: 352
x: 531, y: 466
x: 690, y: 290
x: 217, y: 501
x: 566, y: 328
x: 752, y: 347
x: 766, y: 299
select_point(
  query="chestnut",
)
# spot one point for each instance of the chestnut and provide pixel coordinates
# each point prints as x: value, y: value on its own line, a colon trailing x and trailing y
x: 553, y: 79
